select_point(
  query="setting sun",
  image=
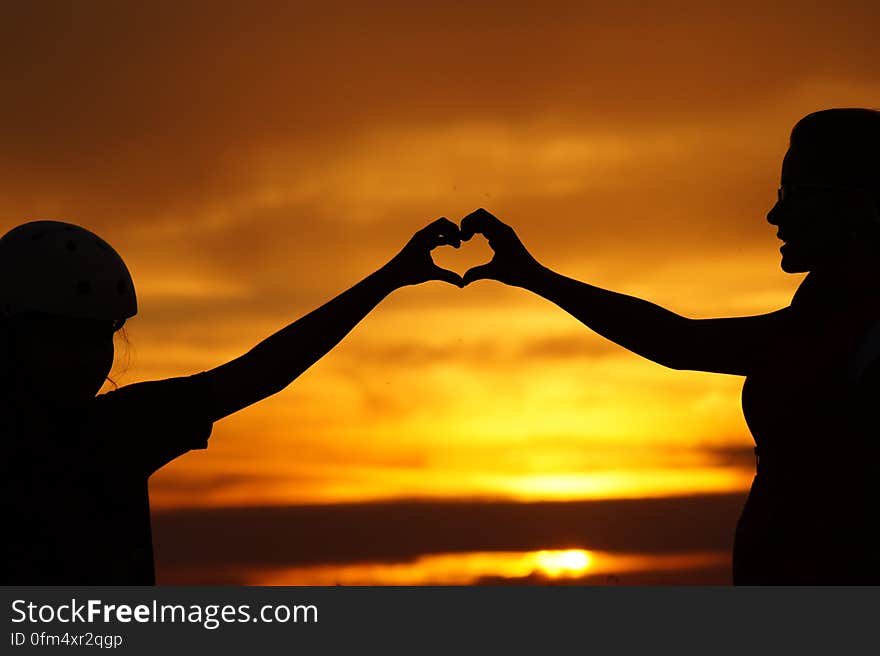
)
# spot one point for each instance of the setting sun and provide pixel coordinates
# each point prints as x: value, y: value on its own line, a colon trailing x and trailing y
x: 571, y: 562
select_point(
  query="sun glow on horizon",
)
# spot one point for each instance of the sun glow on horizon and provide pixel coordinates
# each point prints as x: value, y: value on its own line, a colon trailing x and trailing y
x: 386, y: 484
x: 570, y: 562
x: 469, y: 568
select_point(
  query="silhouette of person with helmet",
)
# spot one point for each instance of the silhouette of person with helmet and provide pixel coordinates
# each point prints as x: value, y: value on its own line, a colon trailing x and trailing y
x: 75, y: 466
x: 812, y: 369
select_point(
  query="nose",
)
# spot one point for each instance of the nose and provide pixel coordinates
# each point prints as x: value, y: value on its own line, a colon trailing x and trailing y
x: 774, y: 215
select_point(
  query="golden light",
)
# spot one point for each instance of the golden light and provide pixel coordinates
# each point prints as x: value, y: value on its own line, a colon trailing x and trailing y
x: 555, y: 564
x: 473, y: 568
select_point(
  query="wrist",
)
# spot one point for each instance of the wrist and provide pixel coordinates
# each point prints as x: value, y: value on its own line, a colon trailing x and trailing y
x: 388, y: 278
x: 537, y: 278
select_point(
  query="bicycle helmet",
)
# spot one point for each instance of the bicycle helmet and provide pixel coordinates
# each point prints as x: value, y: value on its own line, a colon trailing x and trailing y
x: 63, y: 269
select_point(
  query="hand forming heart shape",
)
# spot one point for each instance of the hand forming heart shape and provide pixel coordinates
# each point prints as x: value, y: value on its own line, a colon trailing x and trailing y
x: 473, y: 253
x: 510, y: 263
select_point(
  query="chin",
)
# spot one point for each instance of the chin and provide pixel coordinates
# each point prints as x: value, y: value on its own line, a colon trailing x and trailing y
x: 794, y: 267
x: 794, y: 261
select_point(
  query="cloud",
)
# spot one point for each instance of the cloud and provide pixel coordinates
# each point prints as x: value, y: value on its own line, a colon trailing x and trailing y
x: 145, y: 110
x: 403, y: 530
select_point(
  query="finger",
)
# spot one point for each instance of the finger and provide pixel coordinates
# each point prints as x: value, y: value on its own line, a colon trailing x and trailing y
x: 445, y: 225
x: 447, y: 276
x: 446, y: 240
x: 442, y: 232
x: 482, y: 272
x: 479, y: 221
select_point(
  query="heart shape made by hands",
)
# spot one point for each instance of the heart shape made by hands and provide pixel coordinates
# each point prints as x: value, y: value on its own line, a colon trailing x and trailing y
x: 471, y: 253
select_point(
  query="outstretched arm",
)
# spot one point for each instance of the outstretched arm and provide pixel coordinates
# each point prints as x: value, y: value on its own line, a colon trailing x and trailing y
x: 718, y: 345
x: 279, y: 359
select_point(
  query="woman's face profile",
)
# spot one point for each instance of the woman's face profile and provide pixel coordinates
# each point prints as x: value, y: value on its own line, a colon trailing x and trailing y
x: 812, y: 213
x: 63, y: 360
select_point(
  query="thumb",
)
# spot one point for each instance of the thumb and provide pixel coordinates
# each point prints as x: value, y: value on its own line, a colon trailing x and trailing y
x: 481, y: 272
x: 447, y: 276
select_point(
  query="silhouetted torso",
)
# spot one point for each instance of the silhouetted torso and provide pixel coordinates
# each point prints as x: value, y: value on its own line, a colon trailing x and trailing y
x: 74, y: 494
x: 812, y: 512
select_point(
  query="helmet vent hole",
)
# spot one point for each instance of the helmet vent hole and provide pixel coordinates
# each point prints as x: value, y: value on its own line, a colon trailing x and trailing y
x: 71, y: 245
x: 121, y: 287
x: 84, y: 287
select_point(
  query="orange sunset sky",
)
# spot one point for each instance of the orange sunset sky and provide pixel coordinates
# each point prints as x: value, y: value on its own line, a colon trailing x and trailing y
x: 252, y: 160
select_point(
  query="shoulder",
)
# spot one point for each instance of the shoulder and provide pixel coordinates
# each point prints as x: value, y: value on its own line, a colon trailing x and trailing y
x: 181, y: 392
x: 158, y: 420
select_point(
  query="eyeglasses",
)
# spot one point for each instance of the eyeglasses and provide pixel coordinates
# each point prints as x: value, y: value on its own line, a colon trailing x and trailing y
x: 788, y: 192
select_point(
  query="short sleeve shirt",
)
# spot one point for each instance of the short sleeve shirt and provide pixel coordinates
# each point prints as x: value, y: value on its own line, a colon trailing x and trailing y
x: 75, y: 501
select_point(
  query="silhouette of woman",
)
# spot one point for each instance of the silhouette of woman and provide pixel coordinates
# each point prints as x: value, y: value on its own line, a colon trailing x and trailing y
x: 74, y: 499
x: 812, y: 369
